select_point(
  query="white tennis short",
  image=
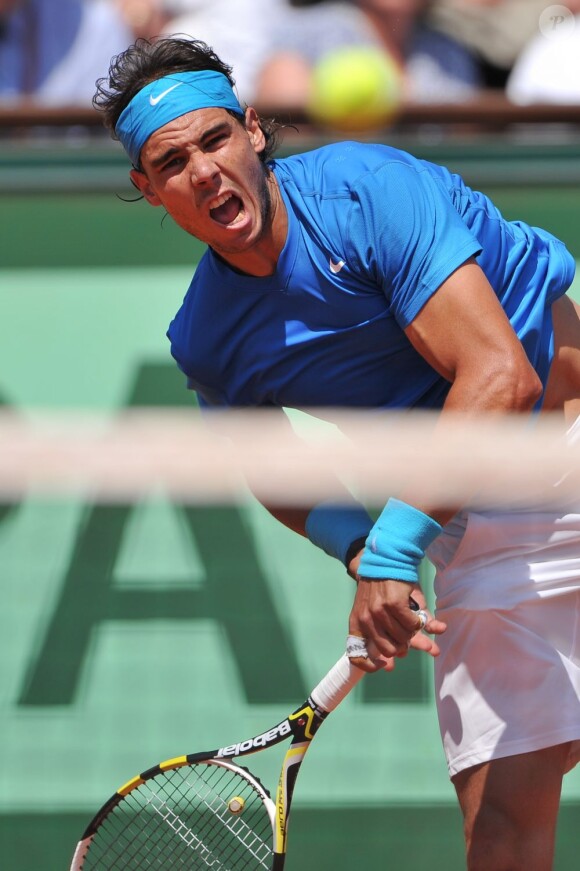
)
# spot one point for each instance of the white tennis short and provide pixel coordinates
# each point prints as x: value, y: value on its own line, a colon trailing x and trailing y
x: 508, y: 678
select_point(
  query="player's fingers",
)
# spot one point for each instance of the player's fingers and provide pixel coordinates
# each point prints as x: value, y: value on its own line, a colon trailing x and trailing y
x: 385, y: 645
x: 425, y: 644
x: 387, y: 664
x: 382, y: 661
x: 422, y: 618
x: 395, y: 638
x: 435, y: 626
x: 356, y: 646
x: 411, y: 638
x: 389, y: 634
x: 432, y: 625
x: 412, y: 620
x: 419, y: 641
x: 365, y: 664
x: 357, y: 652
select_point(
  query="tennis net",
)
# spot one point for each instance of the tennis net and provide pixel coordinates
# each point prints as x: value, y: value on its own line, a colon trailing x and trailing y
x: 483, y: 460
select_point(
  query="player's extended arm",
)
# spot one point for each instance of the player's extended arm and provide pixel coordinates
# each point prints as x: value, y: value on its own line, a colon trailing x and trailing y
x: 464, y: 334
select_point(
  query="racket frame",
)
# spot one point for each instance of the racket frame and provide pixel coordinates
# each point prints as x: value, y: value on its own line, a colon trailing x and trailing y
x: 301, y: 725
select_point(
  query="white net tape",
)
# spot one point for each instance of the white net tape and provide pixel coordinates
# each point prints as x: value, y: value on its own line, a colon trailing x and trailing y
x: 128, y: 455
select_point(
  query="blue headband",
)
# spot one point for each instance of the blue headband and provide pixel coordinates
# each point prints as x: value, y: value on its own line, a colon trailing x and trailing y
x: 163, y: 100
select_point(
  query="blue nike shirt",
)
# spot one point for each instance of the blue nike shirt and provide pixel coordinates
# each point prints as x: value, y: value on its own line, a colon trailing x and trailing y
x: 372, y: 233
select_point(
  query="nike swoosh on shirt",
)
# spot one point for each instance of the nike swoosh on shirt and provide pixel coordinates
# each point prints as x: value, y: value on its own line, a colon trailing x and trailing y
x: 336, y: 267
x: 154, y: 100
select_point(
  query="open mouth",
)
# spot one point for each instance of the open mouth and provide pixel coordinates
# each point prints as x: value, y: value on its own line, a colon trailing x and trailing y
x: 229, y: 210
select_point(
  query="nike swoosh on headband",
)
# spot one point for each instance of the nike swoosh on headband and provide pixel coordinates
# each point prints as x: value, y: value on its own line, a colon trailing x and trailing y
x: 154, y: 100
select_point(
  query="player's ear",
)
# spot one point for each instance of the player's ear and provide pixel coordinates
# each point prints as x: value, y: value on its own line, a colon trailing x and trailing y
x: 254, y: 131
x: 141, y: 182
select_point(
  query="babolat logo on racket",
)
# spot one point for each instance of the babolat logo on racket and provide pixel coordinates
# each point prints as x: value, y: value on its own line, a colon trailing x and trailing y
x: 273, y: 735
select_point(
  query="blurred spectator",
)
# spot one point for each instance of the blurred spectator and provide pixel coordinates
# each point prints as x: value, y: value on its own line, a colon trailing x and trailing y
x: 548, y: 69
x: 52, y: 53
x: 147, y: 18
x: 395, y: 22
x: 491, y: 32
x: 437, y: 67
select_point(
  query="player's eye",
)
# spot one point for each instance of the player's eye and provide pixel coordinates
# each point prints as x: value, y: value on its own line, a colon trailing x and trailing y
x: 215, y: 140
x: 172, y: 163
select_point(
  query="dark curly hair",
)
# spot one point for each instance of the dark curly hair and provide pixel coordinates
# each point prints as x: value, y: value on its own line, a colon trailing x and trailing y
x: 150, y: 59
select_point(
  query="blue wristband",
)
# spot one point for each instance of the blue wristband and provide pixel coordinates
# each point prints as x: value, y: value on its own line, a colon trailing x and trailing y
x: 397, y: 543
x: 334, y: 527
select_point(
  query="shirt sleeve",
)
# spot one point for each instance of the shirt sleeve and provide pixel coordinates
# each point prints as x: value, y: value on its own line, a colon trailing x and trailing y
x: 406, y: 232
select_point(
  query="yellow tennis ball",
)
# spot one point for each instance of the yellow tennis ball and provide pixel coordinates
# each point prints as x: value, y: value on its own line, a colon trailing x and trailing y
x: 236, y: 804
x: 356, y: 88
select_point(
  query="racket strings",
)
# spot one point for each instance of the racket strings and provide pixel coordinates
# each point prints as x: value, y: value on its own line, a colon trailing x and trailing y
x: 181, y: 818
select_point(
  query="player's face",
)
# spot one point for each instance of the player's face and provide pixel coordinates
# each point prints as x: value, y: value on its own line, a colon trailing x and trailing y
x: 204, y: 169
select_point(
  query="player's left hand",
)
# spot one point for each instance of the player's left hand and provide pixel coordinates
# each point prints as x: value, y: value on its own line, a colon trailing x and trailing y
x: 382, y: 615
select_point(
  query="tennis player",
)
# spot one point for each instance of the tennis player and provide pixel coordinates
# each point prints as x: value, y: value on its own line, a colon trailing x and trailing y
x: 356, y: 275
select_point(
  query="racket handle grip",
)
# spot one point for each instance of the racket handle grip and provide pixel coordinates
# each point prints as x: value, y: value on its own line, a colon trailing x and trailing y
x: 337, y: 684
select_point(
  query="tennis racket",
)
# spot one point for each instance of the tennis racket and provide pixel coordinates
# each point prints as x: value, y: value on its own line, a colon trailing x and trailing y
x: 204, y: 810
